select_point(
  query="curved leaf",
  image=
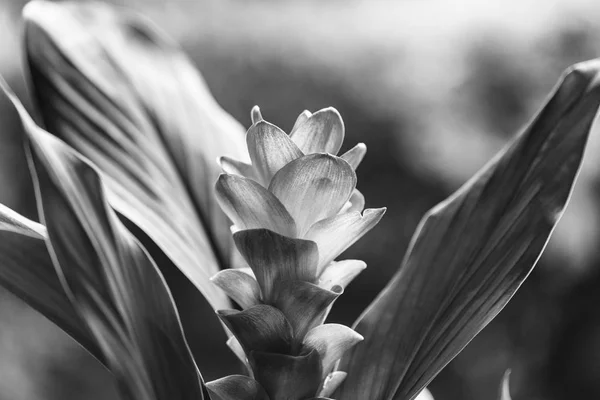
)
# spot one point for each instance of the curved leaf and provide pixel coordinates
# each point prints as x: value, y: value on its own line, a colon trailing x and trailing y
x: 473, y: 251
x: 125, y: 97
x: 26, y: 270
x: 112, y: 282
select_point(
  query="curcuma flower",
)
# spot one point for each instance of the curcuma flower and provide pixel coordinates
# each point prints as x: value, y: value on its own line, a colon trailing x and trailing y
x: 294, y: 209
x: 124, y: 178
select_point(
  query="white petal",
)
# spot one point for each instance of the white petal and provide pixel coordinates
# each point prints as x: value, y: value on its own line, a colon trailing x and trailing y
x: 322, y: 132
x: 331, y: 341
x: 235, y: 346
x: 240, y: 286
x: 340, y: 273
x: 255, y: 114
x: 251, y: 206
x: 424, y: 395
x: 336, y: 234
x: 332, y: 382
x: 355, y: 155
x: 270, y: 149
x: 356, y: 203
x: 235, y: 167
x: 313, y: 187
x: 302, y: 118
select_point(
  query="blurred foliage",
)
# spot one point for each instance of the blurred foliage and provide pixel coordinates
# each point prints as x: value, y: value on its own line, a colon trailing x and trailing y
x: 434, y: 89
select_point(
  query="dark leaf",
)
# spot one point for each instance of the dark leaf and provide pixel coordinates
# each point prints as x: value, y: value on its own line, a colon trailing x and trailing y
x: 109, y: 277
x: 125, y: 97
x: 473, y: 251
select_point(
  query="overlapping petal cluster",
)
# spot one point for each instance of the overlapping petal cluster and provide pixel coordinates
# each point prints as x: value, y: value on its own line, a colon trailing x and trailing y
x: 294, y: 209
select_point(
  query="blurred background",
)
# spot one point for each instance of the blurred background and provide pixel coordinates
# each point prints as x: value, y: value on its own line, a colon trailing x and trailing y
x: 434, y: 88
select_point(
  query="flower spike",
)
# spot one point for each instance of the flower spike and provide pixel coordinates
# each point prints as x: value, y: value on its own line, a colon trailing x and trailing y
x: 294, y: 210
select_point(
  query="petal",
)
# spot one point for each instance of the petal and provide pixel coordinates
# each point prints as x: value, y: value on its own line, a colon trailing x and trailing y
x: 270, y: 149
x: 355, y: 155
x: 472, y: 252
x: 275, y: 258
x: 235, y: 167
x: 334, y: 235
x: 331, y: 383
x: 302, y: 118
x: 304, y: 305
x: 331, y: 342
x: 239, y: 286
x: 426, y: 395
x: 113, y: 283
x: 322, y: 132
x: 114, y: 88
x: 356, y: 203
x: 235, y: 346
x: 287, y: 377
x: 340, y: 273
x: 313, y: 188
x: 251, y: 206
x: 255, y: 115
x: 236, y: 387
x: 504, y: 388
x: 261, y: 327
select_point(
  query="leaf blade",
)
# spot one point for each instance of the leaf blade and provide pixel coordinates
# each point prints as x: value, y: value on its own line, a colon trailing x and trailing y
x: 472, y: 252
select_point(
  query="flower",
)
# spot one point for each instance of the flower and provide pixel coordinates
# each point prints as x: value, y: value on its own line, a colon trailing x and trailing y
x: 127, y: 169
x: 294, y: 210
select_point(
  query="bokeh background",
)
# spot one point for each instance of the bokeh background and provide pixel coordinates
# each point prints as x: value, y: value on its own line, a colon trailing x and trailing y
x: 434, y: 88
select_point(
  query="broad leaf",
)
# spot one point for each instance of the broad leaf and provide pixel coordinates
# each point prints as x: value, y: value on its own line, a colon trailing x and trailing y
x: 26, y: 270
x: 125, y: 97
x: 473, y: 251
x: 110, y: 279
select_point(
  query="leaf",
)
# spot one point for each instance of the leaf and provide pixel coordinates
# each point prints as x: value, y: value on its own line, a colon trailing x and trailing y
x: 26, y: 270
x: 109, y: 277
x: 473, y: 251
x: 111, y: 86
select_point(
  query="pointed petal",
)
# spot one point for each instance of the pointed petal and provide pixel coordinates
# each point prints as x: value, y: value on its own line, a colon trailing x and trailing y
x: 334, y: 235
x: 236, y: 387
x: 355, y: 203
x: 302, y: 118
x: 235, y: 167
x: 473, y: 251
x: 251, y: 206
x: 313, y: 188
x: 288, y: 377
x: 322, y: 132
x: 275, y: 258
x: 270, y: 149
x: 331, y: 341
x: 255, y: 115
x: 235, y: 346
x: 332, y: 382
x: 111, y: 86
x: 340, y: 273
x: 304, y: 305
x: 355, y: 155
x: 425, y: 395
x: 505, y: 387
x: 239, y: 286
x: 112, y: 282
x: 260, y: 327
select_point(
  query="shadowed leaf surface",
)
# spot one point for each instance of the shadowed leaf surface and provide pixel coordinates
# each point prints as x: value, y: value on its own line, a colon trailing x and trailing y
x: 113, y: 284
x: 473, y: 251
x: 127, y: 98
